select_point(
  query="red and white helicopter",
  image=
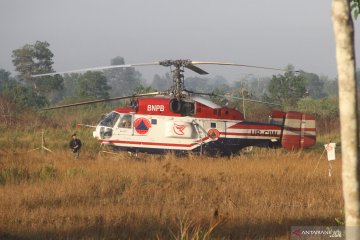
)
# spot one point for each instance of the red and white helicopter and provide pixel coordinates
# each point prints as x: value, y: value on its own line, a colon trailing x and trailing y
x: 180, y: 120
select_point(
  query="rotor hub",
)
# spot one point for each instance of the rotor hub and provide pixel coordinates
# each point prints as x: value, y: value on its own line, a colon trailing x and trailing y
x: 178, y: 88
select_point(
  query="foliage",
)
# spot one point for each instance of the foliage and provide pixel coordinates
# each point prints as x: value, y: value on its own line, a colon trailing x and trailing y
x: 287, y: 89
x: 161, y: 83
x: 16, y: 93
x: 23, y: 60
x: 140, y: 89
x: 326, y: 107
x: 51, y: 87
x: 219, y: 81
x: 122, y: 80
x: 220, y: 91
x: 4, y: 78
x: 314, y: 85
x: 92, y: 85
x: 257, y: 86
x: 33, y: 59
x: 36, y: 59
x: 331, y: 87
x: 22, y: 96
x: 355, y: 8
x: 70, y: 84
x: 326, y: 112
x: 198, y: 84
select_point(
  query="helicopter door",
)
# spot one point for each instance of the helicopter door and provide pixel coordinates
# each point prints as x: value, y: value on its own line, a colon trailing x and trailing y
x: 125, y: 125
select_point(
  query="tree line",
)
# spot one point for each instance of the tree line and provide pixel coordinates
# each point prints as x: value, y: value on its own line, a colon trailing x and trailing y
x: 290, y: 88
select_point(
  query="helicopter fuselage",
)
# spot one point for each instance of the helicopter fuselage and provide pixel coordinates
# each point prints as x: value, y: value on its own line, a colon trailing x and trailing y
x: 163, y: 124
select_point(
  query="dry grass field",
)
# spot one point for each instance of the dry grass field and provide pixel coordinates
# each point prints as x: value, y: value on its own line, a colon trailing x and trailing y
x: 105, y: 196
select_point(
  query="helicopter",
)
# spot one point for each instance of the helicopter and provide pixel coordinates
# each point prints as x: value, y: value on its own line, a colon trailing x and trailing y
x: 181, y: 120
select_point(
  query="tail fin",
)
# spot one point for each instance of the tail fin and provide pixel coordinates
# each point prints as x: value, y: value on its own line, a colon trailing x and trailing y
x: 299, y: 129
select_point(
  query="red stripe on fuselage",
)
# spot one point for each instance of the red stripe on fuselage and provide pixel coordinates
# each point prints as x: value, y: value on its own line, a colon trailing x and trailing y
x: 155, y: 143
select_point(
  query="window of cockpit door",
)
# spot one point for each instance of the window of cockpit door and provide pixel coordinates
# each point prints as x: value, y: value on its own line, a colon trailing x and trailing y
x: 125, y: 121
x: 110, y: 120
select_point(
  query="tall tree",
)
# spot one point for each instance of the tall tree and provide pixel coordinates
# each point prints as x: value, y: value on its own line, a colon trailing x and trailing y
x: 4, y: 78
x: 314, y: 85
x: 36, y: 59
x: 355, y: 7
x: 345, y: 57
x: 140, y: 89
x: 287, y: 89
x: 93, y: 85
x: 24, y: 62
x: 198, y: 84
x: 16, y: 93
x: 331, y: 86
x: 123, y: 81
x: 162, y: 82
x: 70, y: 83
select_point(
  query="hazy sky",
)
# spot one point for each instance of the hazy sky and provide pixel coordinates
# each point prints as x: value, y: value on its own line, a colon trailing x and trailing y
x: 89, y: 33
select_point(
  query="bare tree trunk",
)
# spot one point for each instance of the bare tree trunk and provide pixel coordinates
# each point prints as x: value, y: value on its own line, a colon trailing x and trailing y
x: 345, y: 57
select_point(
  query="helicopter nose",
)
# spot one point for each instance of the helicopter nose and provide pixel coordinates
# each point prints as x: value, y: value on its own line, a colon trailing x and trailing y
x: 96, y: 133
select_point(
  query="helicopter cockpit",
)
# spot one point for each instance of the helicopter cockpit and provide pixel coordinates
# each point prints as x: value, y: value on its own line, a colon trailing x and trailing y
x: 105, y: 126
x: 109, y: 120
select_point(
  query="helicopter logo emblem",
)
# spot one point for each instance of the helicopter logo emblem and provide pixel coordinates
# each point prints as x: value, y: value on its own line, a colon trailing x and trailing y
x: 142, y: 125
x: 179, y: 129
x: 214, y: 133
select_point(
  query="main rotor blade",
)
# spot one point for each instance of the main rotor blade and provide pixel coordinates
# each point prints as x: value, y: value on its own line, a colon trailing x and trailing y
x: 200, y: 93
x: 186, y: 63
x: 100, y: 100
x: 96, y: 69
x: 238, y: 65
x: 196, y: 69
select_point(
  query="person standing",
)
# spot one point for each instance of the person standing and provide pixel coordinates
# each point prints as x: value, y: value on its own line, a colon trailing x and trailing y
x: 75, y: 145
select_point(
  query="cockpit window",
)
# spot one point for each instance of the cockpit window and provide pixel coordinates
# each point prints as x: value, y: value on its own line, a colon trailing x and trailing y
x: 125, y: 121
x: 110, y: 119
